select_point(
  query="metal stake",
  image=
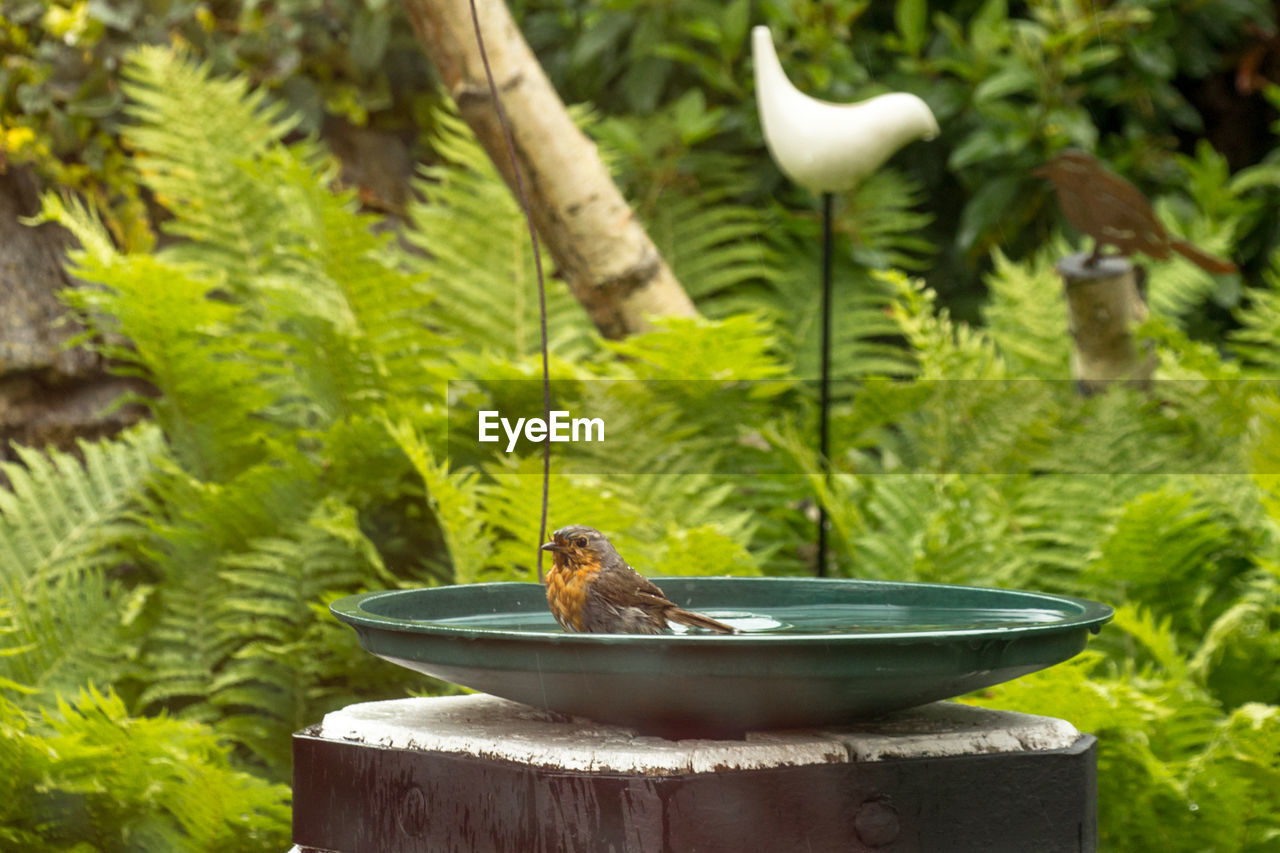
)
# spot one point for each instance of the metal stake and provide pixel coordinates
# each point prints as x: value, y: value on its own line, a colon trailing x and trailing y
x: 824, y: 398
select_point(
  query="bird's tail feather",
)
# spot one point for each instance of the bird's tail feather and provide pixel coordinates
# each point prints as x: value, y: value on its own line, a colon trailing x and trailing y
x: 697, y: 620
x: 1204, y: 260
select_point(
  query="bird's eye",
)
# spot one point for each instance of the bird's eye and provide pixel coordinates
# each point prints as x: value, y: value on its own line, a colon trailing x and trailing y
x: 582, y: 542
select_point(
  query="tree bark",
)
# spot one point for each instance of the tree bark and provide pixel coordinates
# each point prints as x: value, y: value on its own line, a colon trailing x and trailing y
x: 598, y: 246
x: 49, y: 393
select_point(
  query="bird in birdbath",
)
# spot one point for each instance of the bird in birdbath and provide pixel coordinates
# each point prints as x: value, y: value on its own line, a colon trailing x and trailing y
x: 1106, y: 207
x: 591, y: 589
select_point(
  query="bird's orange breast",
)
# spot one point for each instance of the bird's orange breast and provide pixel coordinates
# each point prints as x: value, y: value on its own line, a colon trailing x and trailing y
x: 567, y: 591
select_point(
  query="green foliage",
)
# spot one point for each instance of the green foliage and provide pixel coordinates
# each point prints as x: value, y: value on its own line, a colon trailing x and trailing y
x: 313, y: 375
x: 1025, y: 312
x: 88, y: 777
x: 1173, y: 771
x: 62, y: 98
x: 60, y: 520
x: 280, y: 333
x: 1257, y: 340
x: 300, y: 361
x: 1144, y: 505
x: 466, y: 212
x: 1011, y: 84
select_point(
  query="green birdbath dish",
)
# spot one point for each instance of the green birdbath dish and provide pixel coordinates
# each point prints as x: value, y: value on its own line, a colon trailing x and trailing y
x: 811, y: 652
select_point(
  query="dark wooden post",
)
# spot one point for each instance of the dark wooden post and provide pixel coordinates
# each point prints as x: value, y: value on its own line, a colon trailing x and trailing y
x: 477, y: 774
x: 1104, y: 302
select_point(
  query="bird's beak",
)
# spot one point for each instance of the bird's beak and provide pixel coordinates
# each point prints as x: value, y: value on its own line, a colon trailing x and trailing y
x: 551, y: 546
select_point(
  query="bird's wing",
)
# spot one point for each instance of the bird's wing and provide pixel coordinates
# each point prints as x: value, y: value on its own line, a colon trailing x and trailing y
x: 623, y: 583
x: 1124, y: 222
x: 648, y: 590
x: 1123, y: 191
x: 647, y: 593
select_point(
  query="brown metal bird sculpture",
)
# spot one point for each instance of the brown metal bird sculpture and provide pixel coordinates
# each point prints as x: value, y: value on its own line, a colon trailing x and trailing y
x: 1114, y: 212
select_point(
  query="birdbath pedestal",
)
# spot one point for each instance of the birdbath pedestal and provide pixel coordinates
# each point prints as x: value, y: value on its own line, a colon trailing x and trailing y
x: 479, y: 773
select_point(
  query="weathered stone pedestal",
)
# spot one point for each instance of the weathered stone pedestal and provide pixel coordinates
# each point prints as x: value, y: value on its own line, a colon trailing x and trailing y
x: 477, y: 773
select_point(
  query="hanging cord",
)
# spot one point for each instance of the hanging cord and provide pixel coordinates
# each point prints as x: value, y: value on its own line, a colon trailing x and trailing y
x: 824, y: 393
x: 542, y: 287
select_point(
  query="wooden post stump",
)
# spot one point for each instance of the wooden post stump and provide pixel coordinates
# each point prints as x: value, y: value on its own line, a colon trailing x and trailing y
x: 478, y: 773
x: 1103, y: 303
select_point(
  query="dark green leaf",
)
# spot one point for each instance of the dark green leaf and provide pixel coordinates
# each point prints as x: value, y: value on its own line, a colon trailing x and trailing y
x: 987, y: 208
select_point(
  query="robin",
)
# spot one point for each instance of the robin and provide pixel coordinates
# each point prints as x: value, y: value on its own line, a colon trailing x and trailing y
x: 1105, y: 206
x: 590, y: 588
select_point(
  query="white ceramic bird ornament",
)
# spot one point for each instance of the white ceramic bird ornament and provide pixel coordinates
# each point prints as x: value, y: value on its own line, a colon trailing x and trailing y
x: 831, y: 147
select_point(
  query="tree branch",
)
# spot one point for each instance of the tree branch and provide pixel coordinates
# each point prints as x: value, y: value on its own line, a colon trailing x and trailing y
x: 598, y: 246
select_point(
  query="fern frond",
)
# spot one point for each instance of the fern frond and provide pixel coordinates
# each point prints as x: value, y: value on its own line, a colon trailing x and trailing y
x: 942, y: 348
x: 948, y: 529
x: 1060, y: 518
x: 454, y: 497
x: 662, y: 524
x: 87, y: 775
x: 1156, y: 636
x: 187, y: 123
x: 898, y: 516
x: 1257, y: 340
x: 212, y: 382
x: 1239, y: 655
x: 702, y: 550
x: 865, y: 340
x: 737, y: 348
x: 84, y: 224
x: 268, y: 684
x: 885, y: 222
x: 188, y: 526
x: 474, y: 248
x: 512, y: 504
x: 319, y: 290
x: 276, y: 547
x: 352, y: 324
x: 1177, y: 287
x: 683, y: 401
x: 1169, y: 551
x: 59, y: 525
x: 1026, y: 316
x: 716, y: 248
x: 1237, y: 779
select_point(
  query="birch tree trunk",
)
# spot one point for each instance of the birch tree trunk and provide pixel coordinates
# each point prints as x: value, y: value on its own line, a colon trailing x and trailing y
x: 597, y: 244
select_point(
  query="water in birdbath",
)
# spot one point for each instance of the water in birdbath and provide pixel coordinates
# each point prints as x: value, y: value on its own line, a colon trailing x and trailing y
x: 804, y: 619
